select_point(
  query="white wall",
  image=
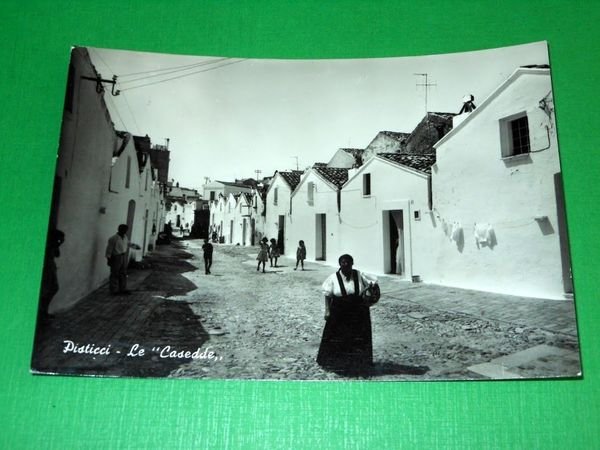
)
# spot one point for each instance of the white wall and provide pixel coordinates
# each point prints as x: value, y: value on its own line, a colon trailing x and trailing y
x: 303, y: 222
x: 364, y: 219
x: 473, y: 184
x: 83, y: 166
x: 275, y: 210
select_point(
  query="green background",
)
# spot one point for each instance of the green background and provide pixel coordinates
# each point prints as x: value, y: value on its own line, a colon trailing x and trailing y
x: 62, y: 412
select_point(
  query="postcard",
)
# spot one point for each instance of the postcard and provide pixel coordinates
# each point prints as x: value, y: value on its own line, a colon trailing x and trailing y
x: 379, y: 219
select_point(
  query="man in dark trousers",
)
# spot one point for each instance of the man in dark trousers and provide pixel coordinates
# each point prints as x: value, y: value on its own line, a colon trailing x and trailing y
x: 208, y: 251
x: 117, y: 252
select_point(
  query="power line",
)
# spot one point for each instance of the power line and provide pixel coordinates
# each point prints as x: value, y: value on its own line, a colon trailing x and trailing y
x: 117, y: 111
x: 182, y: 76
x: 175, y: 70
x: 132, y: 115
x: 170, y: 68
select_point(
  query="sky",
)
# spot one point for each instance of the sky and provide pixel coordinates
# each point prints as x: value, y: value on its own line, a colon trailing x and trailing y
x: 226, y: 118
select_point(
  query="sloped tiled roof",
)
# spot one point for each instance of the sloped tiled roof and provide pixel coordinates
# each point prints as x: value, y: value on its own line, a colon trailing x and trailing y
x: 334, y: 175
x: 292, y: 178
x: 229, y: 183
x: 445, y: 115
x: 396, y: 135
x: 248, y: 197
x: 422, y: 163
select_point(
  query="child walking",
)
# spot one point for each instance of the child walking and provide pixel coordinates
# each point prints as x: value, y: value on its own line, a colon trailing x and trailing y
x: 263, y: 254
x: 273, y: 252
x: 300, y: 255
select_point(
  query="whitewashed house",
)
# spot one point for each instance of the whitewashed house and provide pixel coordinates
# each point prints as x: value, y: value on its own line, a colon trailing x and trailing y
x: 181, y: 207
x: 257, y: 215
x: 212, y: 189
x: 217, y: 216
x: 82, y: 178
x: 124, y: 193
x: 100, y: 182
x: 315, y: 214
x: 150, y: 206
x: 240, y: 219
x: 498, y: 205
x: 277, y: 207
x: 383, y: 213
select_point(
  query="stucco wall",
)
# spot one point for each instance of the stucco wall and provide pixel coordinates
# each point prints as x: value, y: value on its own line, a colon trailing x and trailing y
x: 364, y: 219
x: 303, y: 223
x: 274, y: 211
x: 83, y: 166
x: 472, y: 184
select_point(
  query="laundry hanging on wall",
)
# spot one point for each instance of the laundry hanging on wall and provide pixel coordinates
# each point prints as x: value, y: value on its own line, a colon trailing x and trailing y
x: 484, y: 235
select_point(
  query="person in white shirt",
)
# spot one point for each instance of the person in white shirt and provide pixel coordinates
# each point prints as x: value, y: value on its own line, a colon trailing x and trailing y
x: 117, y: 251
x: 347, y: 344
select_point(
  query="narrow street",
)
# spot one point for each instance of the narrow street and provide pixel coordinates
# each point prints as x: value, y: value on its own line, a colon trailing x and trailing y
x: 268, y: 325
x: 238, y: 323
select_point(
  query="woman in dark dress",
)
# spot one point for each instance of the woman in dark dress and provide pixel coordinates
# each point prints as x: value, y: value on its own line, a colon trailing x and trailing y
x: 347, y: 345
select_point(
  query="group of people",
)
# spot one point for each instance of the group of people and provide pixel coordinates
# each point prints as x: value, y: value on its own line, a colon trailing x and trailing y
x: 270, y: 252
x: 346, y: 344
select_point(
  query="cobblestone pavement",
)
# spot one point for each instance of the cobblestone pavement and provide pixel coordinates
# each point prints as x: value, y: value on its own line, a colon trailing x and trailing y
x: 243, y: 324
x: 268, y: 326
x: 115, y: 324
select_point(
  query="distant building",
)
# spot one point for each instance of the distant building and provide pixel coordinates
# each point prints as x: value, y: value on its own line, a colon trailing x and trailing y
x: 181, y: 205
x: 278, y: 205
x: 211, y: 190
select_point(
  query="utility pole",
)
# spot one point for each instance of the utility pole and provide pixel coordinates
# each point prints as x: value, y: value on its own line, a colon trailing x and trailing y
x: 297, y: 167
x: 257, y: 172
x: 426, y: 85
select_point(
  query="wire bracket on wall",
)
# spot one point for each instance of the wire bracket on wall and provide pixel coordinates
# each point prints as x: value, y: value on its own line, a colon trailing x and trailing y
x: 100, y: 87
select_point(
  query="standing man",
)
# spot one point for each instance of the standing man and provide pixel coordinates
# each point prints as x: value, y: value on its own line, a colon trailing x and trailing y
x: 116, y: 255
x: 208, y: 251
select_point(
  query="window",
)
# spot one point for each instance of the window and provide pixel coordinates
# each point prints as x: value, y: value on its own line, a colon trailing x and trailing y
x: 514, y: 135
x: 367, y: 184
x: 417, y: 214
x: 311, y: 193
x: 520, y: 136
x: 275, y: 196
x: 212, y: 195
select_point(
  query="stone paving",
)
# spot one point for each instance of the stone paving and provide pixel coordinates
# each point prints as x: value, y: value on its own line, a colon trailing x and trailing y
x: 267, y: 326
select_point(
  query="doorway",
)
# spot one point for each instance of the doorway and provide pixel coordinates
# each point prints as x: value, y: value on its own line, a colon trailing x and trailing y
x: 397, y: 260
x: 281, y: 234
x: 130, y: 218
x: 320, y: 237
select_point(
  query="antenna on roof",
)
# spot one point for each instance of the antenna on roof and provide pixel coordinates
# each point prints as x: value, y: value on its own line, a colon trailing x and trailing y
x: 426, y: 85
x: 297, y: 167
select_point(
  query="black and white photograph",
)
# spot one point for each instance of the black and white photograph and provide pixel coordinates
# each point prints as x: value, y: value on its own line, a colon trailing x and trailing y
x: 376, y: 219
